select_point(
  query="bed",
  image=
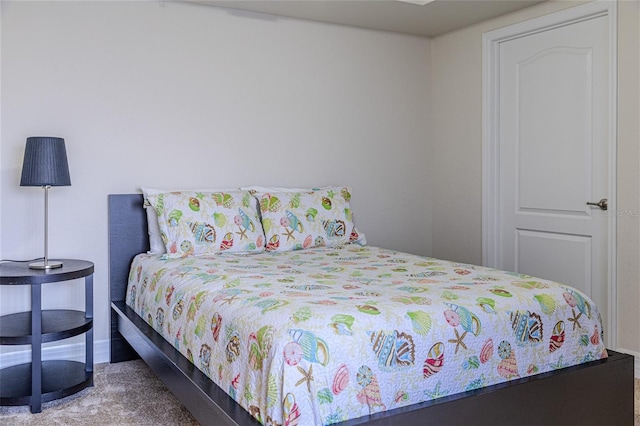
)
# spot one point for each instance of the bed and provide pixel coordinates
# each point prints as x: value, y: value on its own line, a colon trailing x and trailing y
x: 596, y: 391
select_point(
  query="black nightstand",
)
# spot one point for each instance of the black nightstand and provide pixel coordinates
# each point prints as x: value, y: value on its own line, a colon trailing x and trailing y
x: 42, y: 381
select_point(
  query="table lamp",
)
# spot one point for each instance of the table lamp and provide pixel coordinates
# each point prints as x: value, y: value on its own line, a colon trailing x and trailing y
x: 45, y: 165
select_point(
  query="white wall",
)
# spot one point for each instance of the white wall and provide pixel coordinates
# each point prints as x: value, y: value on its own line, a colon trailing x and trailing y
x: 456, y: 97
x: 629, y: 178
x: 165, y: 94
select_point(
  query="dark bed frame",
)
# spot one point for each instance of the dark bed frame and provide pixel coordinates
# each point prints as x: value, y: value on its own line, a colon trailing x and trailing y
x: 595, y: 393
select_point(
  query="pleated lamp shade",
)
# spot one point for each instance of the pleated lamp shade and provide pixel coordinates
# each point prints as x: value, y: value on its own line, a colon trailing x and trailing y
x: 45, y: 162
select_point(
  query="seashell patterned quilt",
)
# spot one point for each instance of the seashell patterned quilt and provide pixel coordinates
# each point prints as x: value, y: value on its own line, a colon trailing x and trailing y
x: 324, y: 335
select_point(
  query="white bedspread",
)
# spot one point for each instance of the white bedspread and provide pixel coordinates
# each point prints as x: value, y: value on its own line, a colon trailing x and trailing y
x: 323, y: 335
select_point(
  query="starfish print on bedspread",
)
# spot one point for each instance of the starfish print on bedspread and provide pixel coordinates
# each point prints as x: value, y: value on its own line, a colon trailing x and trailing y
x: 436, y: 392
x: 289, y: 234
x: 242, y: 232
x: 229, y: 300
x: 459, y: 340
x: 575, y: 318
x: 307, y: 376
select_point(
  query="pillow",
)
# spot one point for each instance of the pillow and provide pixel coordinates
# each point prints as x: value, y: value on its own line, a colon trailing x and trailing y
x: 156, y: 245
x: 316, y: 218
x: 204, y: 223
x: 264, y: 189
x: 257, y: 190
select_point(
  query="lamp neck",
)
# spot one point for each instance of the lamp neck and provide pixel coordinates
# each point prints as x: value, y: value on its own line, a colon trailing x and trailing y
x: 45, y: 264
x: 46, y: 224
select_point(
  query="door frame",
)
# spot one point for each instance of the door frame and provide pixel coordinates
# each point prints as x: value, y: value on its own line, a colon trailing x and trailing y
x: 491, y: 139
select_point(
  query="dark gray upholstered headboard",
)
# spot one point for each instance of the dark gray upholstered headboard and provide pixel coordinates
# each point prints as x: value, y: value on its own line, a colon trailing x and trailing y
x: 127, y: 237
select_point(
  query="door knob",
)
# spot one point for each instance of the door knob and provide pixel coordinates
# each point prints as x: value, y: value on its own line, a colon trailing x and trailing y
x: 603, y: 204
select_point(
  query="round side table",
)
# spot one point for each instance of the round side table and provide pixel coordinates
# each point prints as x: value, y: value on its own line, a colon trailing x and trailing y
x: 42, y: 381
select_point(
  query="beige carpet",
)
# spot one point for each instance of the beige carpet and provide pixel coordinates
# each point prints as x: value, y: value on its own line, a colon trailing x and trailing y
x: 127, y: 394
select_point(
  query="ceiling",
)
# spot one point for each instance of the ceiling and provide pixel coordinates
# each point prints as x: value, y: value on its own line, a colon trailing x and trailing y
x: 403, y: 16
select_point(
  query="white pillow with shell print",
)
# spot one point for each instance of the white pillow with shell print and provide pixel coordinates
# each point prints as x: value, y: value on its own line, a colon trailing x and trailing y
x: 156, y: 245
x: 204, y: 223
x: 315, y: 218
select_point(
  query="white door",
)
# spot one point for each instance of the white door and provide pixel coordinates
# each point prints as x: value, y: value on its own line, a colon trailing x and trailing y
x: 553, y: 134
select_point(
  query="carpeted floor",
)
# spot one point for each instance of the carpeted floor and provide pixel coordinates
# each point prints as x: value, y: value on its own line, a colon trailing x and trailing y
x: 127, y: 393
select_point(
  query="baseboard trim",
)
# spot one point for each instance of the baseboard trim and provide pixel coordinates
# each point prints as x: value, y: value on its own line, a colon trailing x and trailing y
x: 636, y: 358
x: 73, y: 352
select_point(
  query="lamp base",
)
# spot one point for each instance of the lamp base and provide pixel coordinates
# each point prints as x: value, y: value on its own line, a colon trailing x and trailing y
x: 48, y: 265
